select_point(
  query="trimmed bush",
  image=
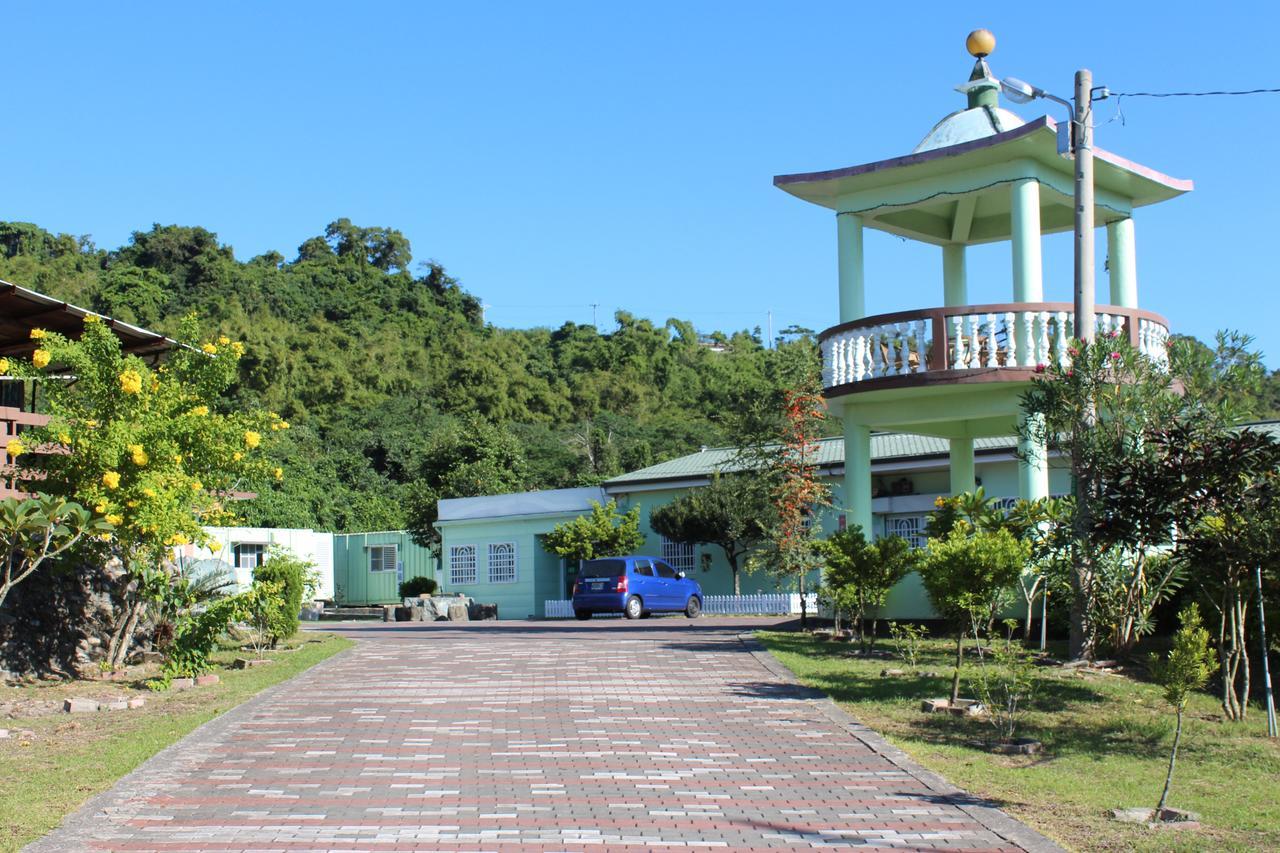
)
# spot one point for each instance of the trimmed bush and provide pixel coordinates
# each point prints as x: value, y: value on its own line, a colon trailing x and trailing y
x: 296, y: 579
x: 414, y: 587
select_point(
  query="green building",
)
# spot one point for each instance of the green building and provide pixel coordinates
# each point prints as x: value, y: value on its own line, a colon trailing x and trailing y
x: 368, y: 567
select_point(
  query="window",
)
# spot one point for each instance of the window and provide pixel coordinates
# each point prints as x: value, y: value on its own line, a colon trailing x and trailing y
x: 462, y: 564
x: 664, y: 571
x: 679, y: 555
x: 250, y: 555
x: 909, y: 527
x: 502, y: 562
x: 643, y: 568
x: 382, y: 558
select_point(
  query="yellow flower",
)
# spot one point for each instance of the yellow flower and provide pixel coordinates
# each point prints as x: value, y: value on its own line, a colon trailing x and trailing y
x: 237, y: 348
x: 138, y: 454
x: 105, y: 537
x: 210, y: 349
x: 64, y: 438
x: 111, y: 480
x: 215, y: 546
x: 115, y: 520
x: 196, y: 485
x: 939, y: 501
x: 91, y: 423
x: 40, y: 358
x: 155, y: 384
x: 237, y: 456
x: 200, y: 411
x: 37, y: 334
x: 251, y: 439
x: 177, y: 458
x: 131, y: 382
x: 4, y: 365
x: 176, y: 539
x: 279, y: 473
x: 100, y: 508
x: 90, y: 319
x: 223, y: 340
x: 149, y: 493
x: 15, y: 447
x: 132, y: 505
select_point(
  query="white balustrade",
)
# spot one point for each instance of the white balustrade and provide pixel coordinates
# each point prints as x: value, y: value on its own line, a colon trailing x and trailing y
x: 756, y: 604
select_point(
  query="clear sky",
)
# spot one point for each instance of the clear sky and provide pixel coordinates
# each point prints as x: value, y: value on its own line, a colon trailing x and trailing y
x: 552, y: 155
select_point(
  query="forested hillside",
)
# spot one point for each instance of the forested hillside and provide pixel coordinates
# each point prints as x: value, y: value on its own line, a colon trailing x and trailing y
x: 397, y: 392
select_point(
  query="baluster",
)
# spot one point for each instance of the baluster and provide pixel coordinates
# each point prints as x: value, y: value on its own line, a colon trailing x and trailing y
x: 903, y: 348
x: 1010, y: 339
x: 1060, y: 339
x: 975, y: 341
x: 884, y: 346
x: 890, y: 350
x: 957, y: 342
x: 1042, y: 338
x: 828, y: 366
x: 991, y: 360
x: 921, y: 349
x: 873, y: 352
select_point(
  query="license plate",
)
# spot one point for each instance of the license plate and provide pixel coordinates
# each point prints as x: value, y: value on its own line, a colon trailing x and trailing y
x: 598, y: 586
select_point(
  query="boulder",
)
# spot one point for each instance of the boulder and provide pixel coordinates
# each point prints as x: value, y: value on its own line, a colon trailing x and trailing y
x: 482, y: 612
x: 137, y: 703
x: 389, y: 613
x: 203, y: 680
x: 113, y: 705
x: 404, y: 614
x: 182, y: 683
x: 458, y: 612
x: 245, y: 663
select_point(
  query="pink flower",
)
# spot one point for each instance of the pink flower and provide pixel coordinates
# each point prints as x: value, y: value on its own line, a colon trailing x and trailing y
x: 1115, y: 333
x: 1040, y: 368
x: 1071, y: 373
x: 1115, y: 355
x: 1073, y: 352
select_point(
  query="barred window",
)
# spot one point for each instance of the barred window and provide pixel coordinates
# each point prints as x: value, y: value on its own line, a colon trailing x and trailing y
x: 249, y: 555
x: 382, y: 558
x: 462, y: 564
x: 502, y: 562
x: 909, y: 527
x: 679, y: 554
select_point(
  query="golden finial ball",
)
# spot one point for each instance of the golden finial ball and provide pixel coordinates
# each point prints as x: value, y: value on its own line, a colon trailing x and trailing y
x: 980, y: 43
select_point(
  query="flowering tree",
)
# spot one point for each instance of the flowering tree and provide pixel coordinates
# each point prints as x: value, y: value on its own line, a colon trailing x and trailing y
x: 144, y: 448
x: 33, y: 532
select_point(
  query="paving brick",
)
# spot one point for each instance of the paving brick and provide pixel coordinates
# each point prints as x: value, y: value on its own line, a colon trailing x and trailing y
x: 482, y: 736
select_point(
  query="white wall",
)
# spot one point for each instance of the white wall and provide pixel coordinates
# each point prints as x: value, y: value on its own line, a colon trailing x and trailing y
x: 309, y: 545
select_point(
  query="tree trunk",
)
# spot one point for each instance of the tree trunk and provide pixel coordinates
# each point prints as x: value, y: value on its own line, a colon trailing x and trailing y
x: 1173, y: 759
x: 804, y: 609
x: 125, y: 643
x: 955, y: 680
x: 1031, y: 610
x: 733, y: 569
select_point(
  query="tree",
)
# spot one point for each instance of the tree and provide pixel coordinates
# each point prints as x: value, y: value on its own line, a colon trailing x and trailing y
x: 859, y: 574
x: 294, y: 579
x: 1187, y: 668
x: 33, y: 532
x: 604, y: 532
x: 731, y: 512
x: 145, y: 448
x: 967, y: 575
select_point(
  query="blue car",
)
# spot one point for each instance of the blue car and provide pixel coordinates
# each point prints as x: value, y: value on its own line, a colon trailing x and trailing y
x: 634, y: 587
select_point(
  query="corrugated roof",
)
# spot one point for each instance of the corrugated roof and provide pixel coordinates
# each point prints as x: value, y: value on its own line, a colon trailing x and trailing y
x: 884, y: 446
x: 547, y: 502
x: 25, y: 309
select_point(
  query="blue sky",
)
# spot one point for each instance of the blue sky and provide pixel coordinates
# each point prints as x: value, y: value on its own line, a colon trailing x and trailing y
x: 552, y: 155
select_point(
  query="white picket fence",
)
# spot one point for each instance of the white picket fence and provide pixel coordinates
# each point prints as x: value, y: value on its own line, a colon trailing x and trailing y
x: 759, y: 604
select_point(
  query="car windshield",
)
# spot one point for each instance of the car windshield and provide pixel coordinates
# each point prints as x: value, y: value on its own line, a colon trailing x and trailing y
x: 604, y: 568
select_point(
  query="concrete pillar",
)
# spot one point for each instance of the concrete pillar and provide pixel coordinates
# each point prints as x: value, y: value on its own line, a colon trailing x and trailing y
x: 1033, y: 469
x: 1028, y: 270
x: 853, y: 303
x: 962, y: 476
x: 955, y: 284
x: 1122, y: 262
x: 857, y: 476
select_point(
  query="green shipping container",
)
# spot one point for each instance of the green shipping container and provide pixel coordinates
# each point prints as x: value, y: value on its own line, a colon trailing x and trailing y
x: 368, y: 567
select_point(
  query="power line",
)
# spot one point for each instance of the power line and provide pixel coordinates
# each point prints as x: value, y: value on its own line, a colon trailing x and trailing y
x: 1193, y: 94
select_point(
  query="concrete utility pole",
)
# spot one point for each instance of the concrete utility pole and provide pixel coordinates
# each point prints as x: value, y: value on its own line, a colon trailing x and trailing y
x: 1266, y: 652
x: 1082, y: 146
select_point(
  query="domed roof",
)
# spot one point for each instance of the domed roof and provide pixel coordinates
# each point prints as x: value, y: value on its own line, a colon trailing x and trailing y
x: 968, y: 125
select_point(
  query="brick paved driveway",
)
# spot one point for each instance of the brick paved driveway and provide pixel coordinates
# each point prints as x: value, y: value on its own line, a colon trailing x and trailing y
x: 556, y: 736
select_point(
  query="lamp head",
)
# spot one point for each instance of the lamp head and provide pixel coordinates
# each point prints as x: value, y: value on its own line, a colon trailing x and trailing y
x: 980, y: 43
x: 1020, y: 91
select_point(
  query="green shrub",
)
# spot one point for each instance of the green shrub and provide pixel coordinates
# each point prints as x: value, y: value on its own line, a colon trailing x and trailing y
x: 196, y: 636
x: 296, y: 578
x: 414, y: 587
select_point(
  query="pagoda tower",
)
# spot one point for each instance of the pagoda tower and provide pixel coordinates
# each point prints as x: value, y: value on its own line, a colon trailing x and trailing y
x: 958, y: 371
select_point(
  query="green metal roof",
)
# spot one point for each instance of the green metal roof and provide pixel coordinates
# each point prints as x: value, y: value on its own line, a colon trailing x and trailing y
x: 884, y: 447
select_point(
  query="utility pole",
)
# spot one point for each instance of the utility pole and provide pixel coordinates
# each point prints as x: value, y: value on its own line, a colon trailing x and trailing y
x: 1266, y: 667
x: 769, y: 341
x: 594, y: 306
x: 1082, y: 148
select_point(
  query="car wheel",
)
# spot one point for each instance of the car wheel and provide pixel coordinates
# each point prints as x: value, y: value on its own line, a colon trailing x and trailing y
x: 633, y: 609
x: 583, y: 615
x: 693, y: 609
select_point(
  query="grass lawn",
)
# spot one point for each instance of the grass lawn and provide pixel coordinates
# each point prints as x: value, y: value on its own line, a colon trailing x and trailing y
x: 1106, y: 740
x: 68, y: 758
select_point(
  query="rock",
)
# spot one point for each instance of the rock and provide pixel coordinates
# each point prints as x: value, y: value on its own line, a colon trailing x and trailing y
x: 79, y: 705
x: 113, y: 705
x: 962, y: 708
x: 245, y: 663
x: 1013, y: 747
x: 482, y: 612
x: 389, y: 613
x: 137, y: 703
x: 458, y: 612
x: 4, y: 734
x: 892, y: 673
x: 418, y: 612
x: 182, y: 683
x: 403, y: 614
x: 1171, y: 818
x: 204, y: 680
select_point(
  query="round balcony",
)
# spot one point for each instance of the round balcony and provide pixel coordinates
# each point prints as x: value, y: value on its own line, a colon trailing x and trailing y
x: 969, y: 343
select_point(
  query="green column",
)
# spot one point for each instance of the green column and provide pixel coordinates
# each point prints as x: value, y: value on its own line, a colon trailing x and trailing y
x: 1028, y: 275
x: 1122, y: 263
x: 962, y: 476
x: 852, y: 286
x: 857, y: 475
x: 1033, y: 469
x: 954, y: 276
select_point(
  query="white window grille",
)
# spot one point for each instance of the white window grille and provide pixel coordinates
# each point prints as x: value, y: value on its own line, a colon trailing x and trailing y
x: 909, y: 527
x: 502, y: 562
x: 249, y: 555
x: 462, y: 564
x: 679, y: 555
x: 383, y: 558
